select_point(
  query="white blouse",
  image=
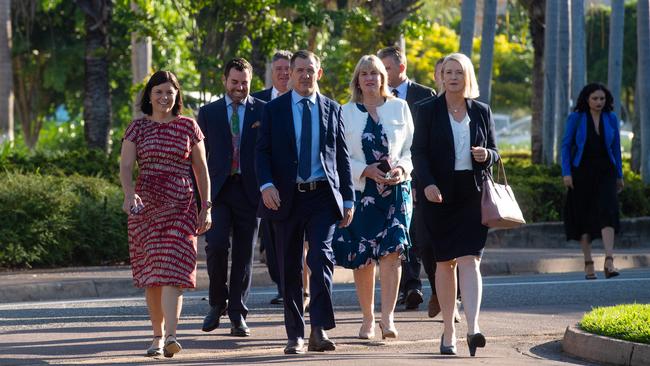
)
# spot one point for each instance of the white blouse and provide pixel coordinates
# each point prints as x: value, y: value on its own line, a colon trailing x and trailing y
x: 462, y: 142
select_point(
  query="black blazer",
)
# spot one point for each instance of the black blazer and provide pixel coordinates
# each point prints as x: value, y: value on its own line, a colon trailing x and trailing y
x: 433, y: 151
x: 416, y: 93
x: 264, y: 95
x: 277, y: 156
x: 213, y: 120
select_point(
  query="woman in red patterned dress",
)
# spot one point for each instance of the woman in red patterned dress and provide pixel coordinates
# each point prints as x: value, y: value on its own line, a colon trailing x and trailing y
x: 163, y: 221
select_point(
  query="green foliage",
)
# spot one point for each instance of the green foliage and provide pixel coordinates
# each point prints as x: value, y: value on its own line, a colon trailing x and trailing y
x: 541, y: 194
x: 629, y: 322
x: 60, y: 221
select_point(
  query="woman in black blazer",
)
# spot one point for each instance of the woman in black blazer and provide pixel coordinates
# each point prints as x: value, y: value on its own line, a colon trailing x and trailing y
x: 453, y: 146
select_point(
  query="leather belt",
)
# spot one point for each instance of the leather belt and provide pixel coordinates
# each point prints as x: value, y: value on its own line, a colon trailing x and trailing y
x: 310, y: 186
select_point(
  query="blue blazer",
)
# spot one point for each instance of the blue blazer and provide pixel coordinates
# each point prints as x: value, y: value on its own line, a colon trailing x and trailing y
x: 213, y: 120
x: 575, y: 134
x: 277, y: 156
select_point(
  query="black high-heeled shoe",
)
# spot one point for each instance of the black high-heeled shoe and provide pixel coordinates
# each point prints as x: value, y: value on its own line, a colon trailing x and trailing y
x: 609, y: 273
x: 474, y: 341
x: 446, y: 350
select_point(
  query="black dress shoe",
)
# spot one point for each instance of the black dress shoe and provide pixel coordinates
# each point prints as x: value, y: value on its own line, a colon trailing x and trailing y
x: 240, y: 329
x: 295, y: 347
x: 211, y: 321
x: 413, y: 299
x: 319, y: 342
x: 277, y: 300
x: 475, y: 341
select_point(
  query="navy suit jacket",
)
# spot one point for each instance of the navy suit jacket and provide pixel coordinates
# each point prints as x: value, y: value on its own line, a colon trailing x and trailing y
x: 277, y: 156
x: 264, y: 95
x: 433, y: 151
x: 213, y: 120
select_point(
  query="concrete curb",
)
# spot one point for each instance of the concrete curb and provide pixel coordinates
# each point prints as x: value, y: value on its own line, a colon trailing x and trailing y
x: 598, y: 348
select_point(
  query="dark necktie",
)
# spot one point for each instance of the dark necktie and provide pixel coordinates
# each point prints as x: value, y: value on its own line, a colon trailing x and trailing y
x: 304, y: 167
x: 395, y: 93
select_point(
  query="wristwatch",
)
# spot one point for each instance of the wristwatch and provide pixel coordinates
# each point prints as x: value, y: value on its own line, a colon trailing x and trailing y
x: 207, y: 204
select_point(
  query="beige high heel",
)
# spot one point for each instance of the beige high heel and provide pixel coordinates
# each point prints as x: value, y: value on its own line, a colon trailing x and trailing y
x: 387, y: 331
x: 367, y: 332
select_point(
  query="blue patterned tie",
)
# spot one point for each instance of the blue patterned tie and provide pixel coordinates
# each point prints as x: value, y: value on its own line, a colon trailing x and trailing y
x: 304, y: 167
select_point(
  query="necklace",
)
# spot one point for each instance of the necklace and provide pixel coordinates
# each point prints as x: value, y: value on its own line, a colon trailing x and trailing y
x: 454, y: 109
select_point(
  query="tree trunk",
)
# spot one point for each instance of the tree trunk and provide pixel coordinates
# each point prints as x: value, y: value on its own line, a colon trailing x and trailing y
x: 140, y: 62
x: 535, y: 10
x: 578, y: 51
x: 467, y: 20
x: 643, y: 104
x: 550, y: 59
x: 487, y: 49
x: 615, y: 62
x: 562, y: 74
x: 6, y: 75
x: 97, y: 97
x: 391, y: 15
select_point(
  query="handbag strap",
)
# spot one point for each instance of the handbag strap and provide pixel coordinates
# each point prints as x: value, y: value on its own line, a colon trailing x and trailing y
x: 500, y: 170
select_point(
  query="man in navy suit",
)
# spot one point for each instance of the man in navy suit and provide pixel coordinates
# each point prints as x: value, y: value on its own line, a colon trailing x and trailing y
x: 303, y: 168
x: 230, y: 127
x: 410, y: 287
x: 280, y: 78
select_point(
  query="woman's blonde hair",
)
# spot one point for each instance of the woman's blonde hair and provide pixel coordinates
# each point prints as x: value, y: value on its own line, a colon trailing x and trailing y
x: 370, y: 63
x: 471, y: 85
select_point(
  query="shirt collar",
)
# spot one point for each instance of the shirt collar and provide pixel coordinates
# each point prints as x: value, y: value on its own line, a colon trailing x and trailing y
x: 296, y: 98
x: 402, y: 88
x: 229, y: 101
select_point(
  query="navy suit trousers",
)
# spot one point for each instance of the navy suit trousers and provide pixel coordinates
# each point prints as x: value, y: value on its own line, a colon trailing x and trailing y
x: 231, y: 213
x: 313, y: 216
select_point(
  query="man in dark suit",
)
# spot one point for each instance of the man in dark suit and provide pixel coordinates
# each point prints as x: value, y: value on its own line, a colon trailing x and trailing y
x: 280, y: 78
x: 303, y: 168
x: 410, y: 285
x: 230, y: 127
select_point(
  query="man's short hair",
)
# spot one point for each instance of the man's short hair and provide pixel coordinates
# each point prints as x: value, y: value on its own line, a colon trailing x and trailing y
x: 304, y: 54
x: 239, y: 64
x: 393, y: 52
x: 282, y: 55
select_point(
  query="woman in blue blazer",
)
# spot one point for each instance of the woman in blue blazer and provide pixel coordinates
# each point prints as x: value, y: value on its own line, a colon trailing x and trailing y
x: 592, y: 172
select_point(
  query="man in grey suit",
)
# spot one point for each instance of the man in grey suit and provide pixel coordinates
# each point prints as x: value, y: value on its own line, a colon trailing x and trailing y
x: 410, y: 285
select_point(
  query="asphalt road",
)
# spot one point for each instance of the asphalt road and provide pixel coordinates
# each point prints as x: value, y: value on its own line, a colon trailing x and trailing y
x: 523, y: 317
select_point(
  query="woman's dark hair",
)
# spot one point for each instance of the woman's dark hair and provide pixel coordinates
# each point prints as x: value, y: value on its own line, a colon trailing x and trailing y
x: 161, y: 77
x: 582, y: 105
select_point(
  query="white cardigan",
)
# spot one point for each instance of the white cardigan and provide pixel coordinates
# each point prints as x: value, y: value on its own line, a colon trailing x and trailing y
x: 397, y: 123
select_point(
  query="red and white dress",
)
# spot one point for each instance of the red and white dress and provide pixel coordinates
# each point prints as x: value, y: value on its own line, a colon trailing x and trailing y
x: 162, y: 237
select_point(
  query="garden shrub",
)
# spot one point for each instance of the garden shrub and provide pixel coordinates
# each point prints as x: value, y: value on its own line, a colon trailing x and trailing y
x: 60, y: 221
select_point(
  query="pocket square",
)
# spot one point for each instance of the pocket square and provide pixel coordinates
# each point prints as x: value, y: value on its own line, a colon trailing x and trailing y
x: 256, y: 124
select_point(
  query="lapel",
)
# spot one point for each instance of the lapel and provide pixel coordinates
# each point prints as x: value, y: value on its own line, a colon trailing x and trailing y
x: 323, y: 109
x: 445, y: 123
x: 474, y: 117
x: 222, y: 115
x: 249, y: 117
x: 287, y: 105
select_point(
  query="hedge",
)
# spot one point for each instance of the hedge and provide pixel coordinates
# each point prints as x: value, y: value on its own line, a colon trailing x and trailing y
x: 50, y: 221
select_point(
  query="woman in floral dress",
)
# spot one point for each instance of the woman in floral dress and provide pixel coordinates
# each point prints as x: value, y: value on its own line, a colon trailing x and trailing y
x: 378, y: 132
x: 163, y: 220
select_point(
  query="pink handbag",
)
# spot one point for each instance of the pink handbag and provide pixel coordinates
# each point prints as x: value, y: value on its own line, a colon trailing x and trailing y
x: 499, y: 208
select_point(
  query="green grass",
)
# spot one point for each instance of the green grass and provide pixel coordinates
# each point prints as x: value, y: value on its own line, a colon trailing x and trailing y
x: 630, y: 322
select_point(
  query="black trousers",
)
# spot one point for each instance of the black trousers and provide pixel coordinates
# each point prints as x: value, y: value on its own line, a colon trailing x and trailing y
x: 268, y: 243
x: 231, y: 213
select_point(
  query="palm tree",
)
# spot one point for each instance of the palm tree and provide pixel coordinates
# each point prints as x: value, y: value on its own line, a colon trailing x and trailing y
x: 487, y: 49
x: 467, y: 17
x: 6, y: 74
x: 550, y: 65
x: 643, y: 84
x: 140, y: 60
x: 615, y: 64
x: 578, y: 45
x: 562, y: 74
x: 97, y: 96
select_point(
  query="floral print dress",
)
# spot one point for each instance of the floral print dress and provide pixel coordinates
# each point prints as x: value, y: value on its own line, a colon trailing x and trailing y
x: 382, y: 212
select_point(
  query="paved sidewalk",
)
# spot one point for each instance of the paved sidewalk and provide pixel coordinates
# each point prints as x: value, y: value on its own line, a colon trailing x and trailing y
x: 104, y: 282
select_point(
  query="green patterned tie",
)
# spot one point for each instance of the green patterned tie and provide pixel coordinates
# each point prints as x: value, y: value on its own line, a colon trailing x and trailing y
x: 234, y: 128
